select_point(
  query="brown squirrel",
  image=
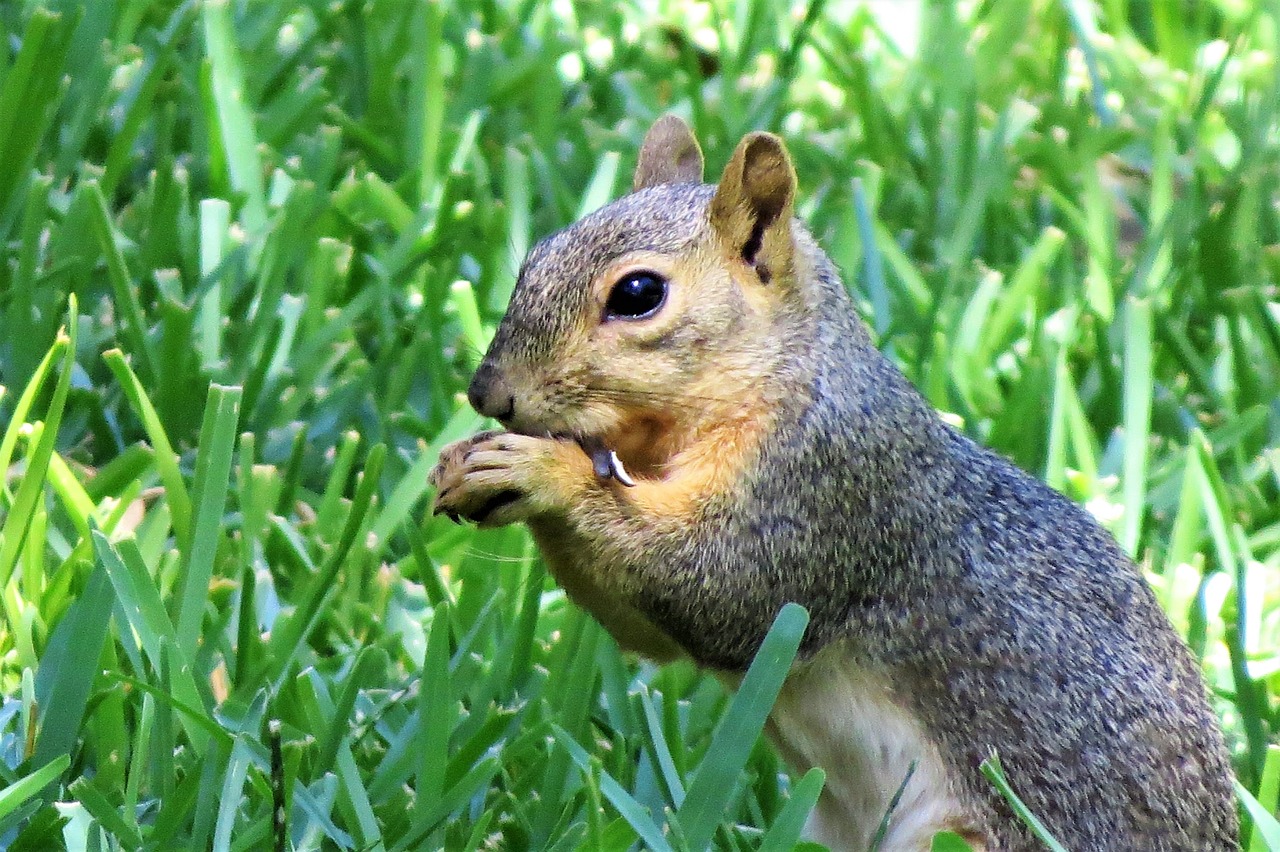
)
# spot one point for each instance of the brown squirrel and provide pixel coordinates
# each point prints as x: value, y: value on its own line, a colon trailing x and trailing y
x: 699, y: 429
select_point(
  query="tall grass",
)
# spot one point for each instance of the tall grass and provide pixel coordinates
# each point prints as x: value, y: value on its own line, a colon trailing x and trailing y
x: 251, y: 253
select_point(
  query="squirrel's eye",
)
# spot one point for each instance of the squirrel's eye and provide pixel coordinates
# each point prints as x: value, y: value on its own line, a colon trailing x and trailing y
x: 636, y: 296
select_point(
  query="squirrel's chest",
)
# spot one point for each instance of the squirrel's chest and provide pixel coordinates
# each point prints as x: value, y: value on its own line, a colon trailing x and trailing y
x: 835, y: 715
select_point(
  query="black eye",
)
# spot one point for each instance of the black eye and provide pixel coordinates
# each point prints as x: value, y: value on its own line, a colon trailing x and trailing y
x: 636, y: 295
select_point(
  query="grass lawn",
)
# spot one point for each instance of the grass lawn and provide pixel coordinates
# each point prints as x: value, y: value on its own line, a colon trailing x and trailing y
x: 250, y: 253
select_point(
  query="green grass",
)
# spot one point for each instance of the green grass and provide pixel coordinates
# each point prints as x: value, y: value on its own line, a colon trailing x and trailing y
x: 252, y: 251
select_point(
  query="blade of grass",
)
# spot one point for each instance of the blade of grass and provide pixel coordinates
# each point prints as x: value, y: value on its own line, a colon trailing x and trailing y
x: 140, y: 102
x: 717, y: 776
x: 600, y: 190
x: 140, y: 600
x: 1027, y: 281
x: 872, y: 265
x: 14, y: 531
x: 213, y: 478
x: 286, y: 638
x: 632, y: 811
x: 234, y: 119
x: 1250, y: 699
x: 1085, y: 27
x: 947, y: 841
x: 479, y: 776
x: 429, y: 90
x: 413, y: 486
x: 215, y: 220
x: 994, y: 772
x: 436, y: 709
x: 107, y: 815
x: 1266, y: 829
x: 28, y: 101
x: 69, y: 667
x: 29, y: 786
x: 368, y: 662
x: 789, y: 824
x: 1138, y: 384
x: 1267, y: 834
x: 657, y: 742
x: 231, y: 795
x: 22, y: 408
x: 133, y: 323
x: 166, y: 460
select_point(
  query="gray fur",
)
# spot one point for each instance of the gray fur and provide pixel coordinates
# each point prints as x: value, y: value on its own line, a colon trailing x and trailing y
x: 1005, y: 617
x: 554, y: 280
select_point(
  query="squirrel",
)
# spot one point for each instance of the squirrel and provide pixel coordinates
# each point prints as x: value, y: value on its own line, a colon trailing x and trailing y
x: 698, y: 428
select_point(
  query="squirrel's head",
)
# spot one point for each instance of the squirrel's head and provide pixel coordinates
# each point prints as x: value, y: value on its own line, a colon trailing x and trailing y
x: 657, y: 314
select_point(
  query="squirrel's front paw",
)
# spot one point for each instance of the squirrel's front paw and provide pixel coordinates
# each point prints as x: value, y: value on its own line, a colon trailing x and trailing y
x: 497, y: 478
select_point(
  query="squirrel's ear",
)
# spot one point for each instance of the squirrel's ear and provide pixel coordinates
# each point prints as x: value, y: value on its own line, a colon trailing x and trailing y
x: 669, y: 154
x: 752, y: 207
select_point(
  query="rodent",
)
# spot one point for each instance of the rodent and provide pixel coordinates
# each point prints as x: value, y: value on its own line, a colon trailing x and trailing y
x: 698, y: 429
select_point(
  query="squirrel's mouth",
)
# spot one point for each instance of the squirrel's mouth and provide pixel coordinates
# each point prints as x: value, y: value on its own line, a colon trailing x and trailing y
x: 604, y: 458
x: 605, y: 461
x: 636, y: 449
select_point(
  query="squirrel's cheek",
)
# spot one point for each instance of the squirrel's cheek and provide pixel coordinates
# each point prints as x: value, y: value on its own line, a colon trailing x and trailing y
x: 645, y: 443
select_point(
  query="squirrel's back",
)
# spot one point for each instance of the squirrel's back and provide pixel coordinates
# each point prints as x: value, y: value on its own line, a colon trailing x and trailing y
x: 1005, y: 619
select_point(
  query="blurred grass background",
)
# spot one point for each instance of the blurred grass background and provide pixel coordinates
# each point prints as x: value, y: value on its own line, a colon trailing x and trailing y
x: 251, y: 251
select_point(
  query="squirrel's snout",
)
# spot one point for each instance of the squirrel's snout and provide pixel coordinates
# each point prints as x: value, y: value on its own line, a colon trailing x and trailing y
x: 489, y: 394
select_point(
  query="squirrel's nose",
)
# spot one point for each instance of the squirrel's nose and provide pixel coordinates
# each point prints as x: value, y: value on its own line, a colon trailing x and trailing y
x: 489, y: 394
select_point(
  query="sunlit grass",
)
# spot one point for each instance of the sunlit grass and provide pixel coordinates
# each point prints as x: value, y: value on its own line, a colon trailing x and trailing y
x: 251, y: 253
